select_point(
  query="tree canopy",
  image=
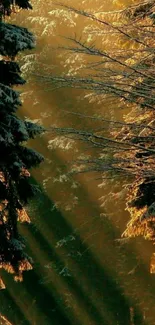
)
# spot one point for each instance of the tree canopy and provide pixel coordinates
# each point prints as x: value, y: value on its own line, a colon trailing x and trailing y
x: 124, y: 74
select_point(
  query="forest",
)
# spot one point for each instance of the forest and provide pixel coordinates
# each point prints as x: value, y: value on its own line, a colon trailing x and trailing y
x: 127, y: 74
x: 116, y: 149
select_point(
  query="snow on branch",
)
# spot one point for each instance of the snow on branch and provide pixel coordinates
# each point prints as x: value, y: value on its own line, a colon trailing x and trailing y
x: 14, y: 39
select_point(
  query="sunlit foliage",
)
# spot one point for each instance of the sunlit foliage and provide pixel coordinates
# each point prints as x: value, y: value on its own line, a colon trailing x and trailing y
x: 122, y: 74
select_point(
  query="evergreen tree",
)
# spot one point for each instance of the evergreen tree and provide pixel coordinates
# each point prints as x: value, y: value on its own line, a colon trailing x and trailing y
x: 15, y: 157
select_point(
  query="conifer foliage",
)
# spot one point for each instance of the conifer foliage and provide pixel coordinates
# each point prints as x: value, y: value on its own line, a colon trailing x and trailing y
x: 15, y: 157
x: 121, y: 76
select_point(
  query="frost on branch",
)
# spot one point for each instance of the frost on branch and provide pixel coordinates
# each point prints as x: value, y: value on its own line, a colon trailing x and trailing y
x: 14, y: 39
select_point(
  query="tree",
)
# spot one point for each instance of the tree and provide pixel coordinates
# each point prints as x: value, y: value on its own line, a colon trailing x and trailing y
x: 125, y: 73
x: 15, y: 157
